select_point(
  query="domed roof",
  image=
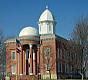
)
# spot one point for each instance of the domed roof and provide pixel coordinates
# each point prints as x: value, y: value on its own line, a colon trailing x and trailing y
x: 46, y: 16
x: 28, y: 31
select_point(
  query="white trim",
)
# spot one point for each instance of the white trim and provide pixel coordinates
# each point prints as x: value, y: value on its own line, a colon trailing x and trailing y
x: 30, y: 45
x: 21, y: 74
x: 31, y: 73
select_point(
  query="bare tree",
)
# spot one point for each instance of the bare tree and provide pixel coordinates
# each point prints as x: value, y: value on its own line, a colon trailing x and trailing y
x: 2, y: 54
x: 80, y: 38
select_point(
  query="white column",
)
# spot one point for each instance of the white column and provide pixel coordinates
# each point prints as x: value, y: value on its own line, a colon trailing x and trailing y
x: 33, y: 54
x: 31, y: 59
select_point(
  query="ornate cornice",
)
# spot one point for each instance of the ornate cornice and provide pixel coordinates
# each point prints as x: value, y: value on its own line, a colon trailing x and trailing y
x: 13, y: 41
x: 39, y: 38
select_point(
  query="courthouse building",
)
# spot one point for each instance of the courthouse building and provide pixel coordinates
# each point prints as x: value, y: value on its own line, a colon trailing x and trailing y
x: 42, y: 51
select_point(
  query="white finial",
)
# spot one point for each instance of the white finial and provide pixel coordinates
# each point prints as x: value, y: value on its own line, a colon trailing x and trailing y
x: 46, y: 7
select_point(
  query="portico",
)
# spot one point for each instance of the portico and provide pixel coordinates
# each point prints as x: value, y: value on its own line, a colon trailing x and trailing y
x: 27, y: 59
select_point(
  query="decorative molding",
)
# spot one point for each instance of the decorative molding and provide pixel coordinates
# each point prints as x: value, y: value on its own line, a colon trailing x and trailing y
x: 30, y: 45
x: 42, y: 38
x: 47, y: 39
x: 29, y: 39
x: 8, y: 43
x: 14, y: 42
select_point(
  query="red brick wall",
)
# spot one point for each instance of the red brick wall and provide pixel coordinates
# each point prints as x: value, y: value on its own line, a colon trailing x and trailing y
x: 8, y: 57
x: 52, y: 45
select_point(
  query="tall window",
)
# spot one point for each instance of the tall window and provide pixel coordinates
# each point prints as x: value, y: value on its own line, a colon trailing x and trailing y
x: 40, y: 28
x: 13, y: 55
x: 63, y: 68
x: 59, y: 67
x: 66, y: 68
x: 47, y: 67
x: 47, y: 52
x: 66, y: 55
x: 13, y: 68
x: 60, y: 53
x: 49, y: 28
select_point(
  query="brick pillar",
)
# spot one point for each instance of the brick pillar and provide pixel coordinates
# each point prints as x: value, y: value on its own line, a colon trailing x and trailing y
x: 24, y: 63
x: 25, y: 68
x: 16, y: 64
x: 38, y: 59
x: 31, y: 60
x: 21, y: 63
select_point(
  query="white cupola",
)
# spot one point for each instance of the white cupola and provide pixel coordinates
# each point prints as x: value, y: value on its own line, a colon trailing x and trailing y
x: 46, y: 23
